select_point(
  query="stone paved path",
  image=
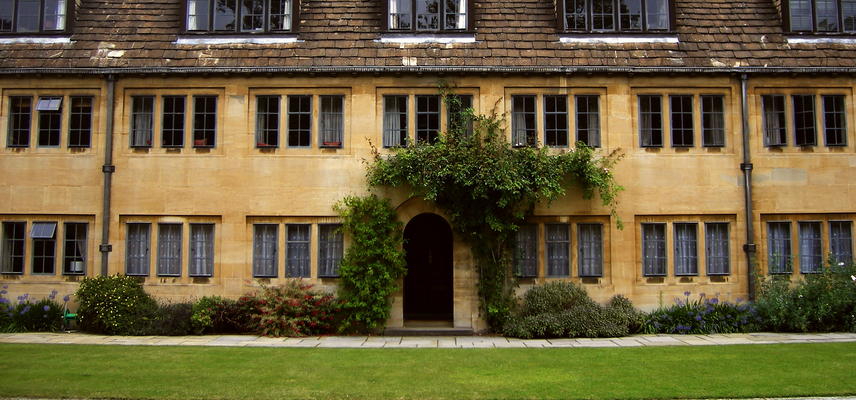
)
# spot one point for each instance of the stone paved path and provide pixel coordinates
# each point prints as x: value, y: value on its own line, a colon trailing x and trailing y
x: 426, y: 341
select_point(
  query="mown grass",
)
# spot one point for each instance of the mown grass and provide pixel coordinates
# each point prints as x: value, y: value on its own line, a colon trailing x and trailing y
x: 140, y: 372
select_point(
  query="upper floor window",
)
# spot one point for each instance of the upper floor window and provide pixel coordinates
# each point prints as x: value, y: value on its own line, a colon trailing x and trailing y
x: 821, y: 15
x: 24, y: 16
x: 427, y: 15
x: 248, y: 16
x: 52, y: 110
x: 809, y: 117
x: 615, y: 15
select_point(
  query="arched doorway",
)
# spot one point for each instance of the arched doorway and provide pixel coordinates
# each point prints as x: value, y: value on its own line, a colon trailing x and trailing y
x: 428, y: 283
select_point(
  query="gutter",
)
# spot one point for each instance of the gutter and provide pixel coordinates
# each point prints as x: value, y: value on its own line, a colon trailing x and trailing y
x: 746, y: 166
x: 429, y: 69
x: 108, y: 169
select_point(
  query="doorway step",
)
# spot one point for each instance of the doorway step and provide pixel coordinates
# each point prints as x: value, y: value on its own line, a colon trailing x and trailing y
x: 428, y: 328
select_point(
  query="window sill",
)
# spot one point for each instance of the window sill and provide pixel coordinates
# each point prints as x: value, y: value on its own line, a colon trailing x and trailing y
x: 818, y: 38
x: 617, y: 38
x: 35, y: 39
x: 419, y: 38
x: 235, y: 39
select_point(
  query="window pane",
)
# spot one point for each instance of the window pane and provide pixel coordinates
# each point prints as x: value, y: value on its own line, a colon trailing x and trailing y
x: 74, y: 254
x: 44, y: 247
x: 455, y: 14
x: 252, y: 15
x: 330, y: 249
x: 848, y: 15
x: 80, y: 122
x: 588, y: 120
x: 394, y: 121
x: 50, y: 121
x: 716, y: 248
x: 400, y: 14
x: 331, y: 121
x: 779, y: 247
x: 558, y: 248
x: 204, y: 121
x: 834, y: 125
x: 630, y: 15
x: 526, y: 251
x: 654, y: 249
x: 650, y: 121
x: 54, y: 17
x: 841, y: 241
x: 686, y: 249
x: 804, y: 120
x: 775, y: 131
x: 297, y: 262
x: 427, y: 14
x: 197, y: 15
x: 801, y: 15
x: 265, y: 250
x: 299, y: 121
x: 681, y: 108
x: 28, y: 16
x: 575, y: 15
x: 142, y: 110
x: 169, y: 249
x: 523, y: 121
x: 224, y: 15
x: 267, y: 121
x: 19, y: 121
x: 556, y: 121
x: 172, y: 124
x: 6, y: 8
x: 713, y: 120
x: 427, y: 118
x: 657, y: 14
x: 280, y: 15
x: 14, y: 236
x: 137, y: 249
x: 201, y: 250
x: 827, y: 15
x: 602, y: 17
x: 459, y: 121
x: 590, y: 249
x: 811, y: 253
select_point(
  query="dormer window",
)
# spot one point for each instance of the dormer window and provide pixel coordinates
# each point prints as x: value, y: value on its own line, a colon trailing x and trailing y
x: 615, y: 15
x: 33, y: 16
x: 428, y: 15
x: 820, y: 16
x: 241, y: 16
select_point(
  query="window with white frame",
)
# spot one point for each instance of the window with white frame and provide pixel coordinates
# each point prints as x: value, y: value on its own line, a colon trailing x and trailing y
x: 820, y: 16
x: 615, y: 15
x: 330, y: 249
x: 811, y: 247
x: 779, y: 247
x: 558, y: 241
x: 841, y: 241
x: 297, y: 250
x: 654, y: 249
x: 523, y: 121
x: 427, y: 15
x: 590, y: 249
x: 43, y: 235
x: 169, y: 249
x: 526, y: 251
x: 33, y: 16
x: 717, y: 252
x: 244, y: 16
x: 137, y: 249
x: 686, y: 248
x: 201, y: 250
x: 74, y: 245
x: 265, y: 254
x: 14, y: 245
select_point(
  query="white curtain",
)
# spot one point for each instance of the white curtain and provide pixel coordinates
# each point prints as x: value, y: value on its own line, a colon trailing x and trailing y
x: 202, y: 250
x: 685, y: 249
x: 331, y: 119
x: 590, y: 250
x: 810, y: 251
x: 557, y: 250
x: 392, y: 122
x: 298, y: 251
x: 716, y: 250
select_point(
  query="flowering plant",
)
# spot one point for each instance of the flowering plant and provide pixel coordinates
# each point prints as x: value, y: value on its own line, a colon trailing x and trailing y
x: 293, y: 309
x: 27, y: 315
x: 702, y: 315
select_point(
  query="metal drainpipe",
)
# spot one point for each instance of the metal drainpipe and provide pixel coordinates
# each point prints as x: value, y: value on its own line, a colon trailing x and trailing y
x: 749, y: 247
x: 108, y: 168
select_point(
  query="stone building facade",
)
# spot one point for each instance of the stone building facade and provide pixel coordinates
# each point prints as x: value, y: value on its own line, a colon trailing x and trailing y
x: 201, y: 144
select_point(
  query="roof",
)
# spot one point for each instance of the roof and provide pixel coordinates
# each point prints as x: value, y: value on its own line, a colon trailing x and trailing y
x: 342, y: 35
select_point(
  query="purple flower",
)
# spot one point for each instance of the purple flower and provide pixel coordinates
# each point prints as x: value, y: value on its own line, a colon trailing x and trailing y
x: 5, y: 286
x: 698, y: 317
x: 4, y: 300
x: 46, y: 308
x: 66, y: 298
x: 3, y: 291
x: 739, y: 299
x: 687, y: 293
x: 25, y: 310
x: 714, y: 300
x: 53, y: 294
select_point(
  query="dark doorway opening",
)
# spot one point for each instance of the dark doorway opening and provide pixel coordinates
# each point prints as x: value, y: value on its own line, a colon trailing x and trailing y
x: 428, y: 284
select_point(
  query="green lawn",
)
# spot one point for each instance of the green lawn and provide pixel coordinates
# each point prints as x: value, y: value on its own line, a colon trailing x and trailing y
x: 262, y: 373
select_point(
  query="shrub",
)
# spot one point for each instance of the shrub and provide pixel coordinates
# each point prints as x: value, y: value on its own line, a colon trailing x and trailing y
x: 820, y: 302
x: 373, y: 263
x: 291, y: 310
x: 25, y: 315
x: 563, y: 309
x: 702, y: 316
x: 115, y: 305
x: 172, y: 319
x: 215, y: 314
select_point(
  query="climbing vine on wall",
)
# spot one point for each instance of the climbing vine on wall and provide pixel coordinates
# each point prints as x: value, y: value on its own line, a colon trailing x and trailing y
x: 488, y: 188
